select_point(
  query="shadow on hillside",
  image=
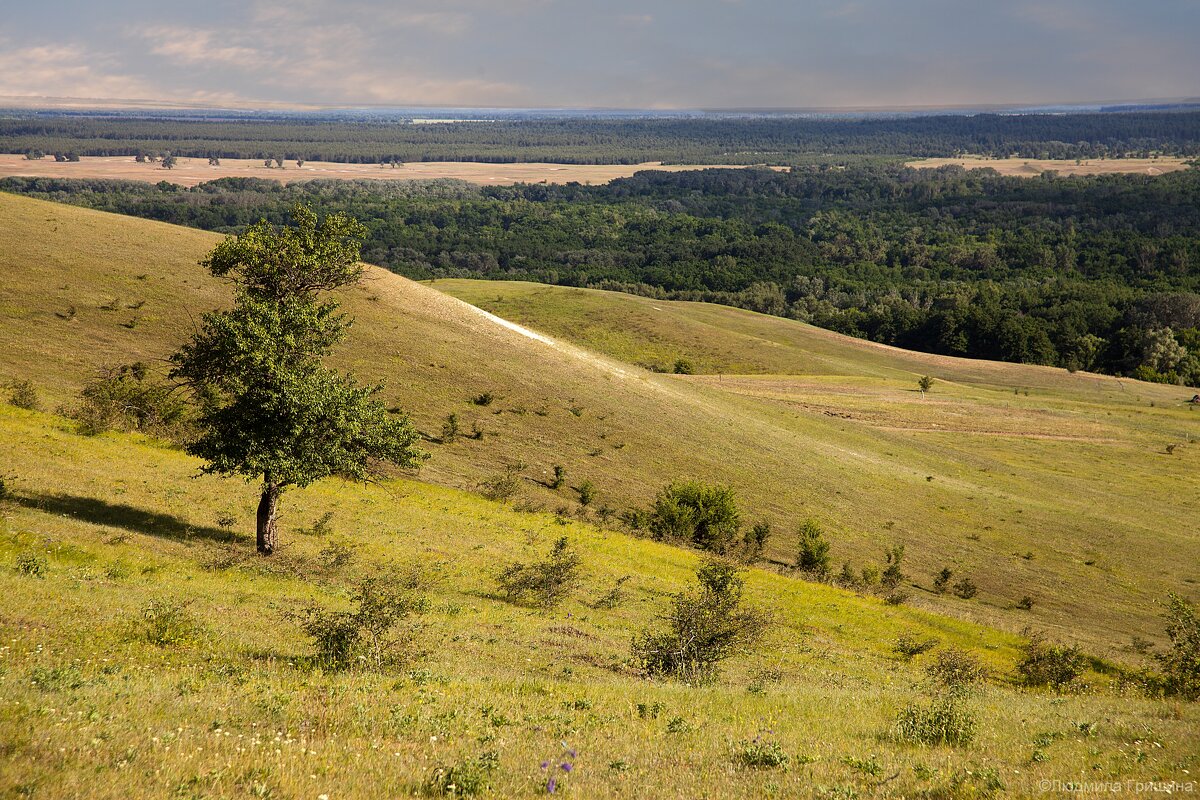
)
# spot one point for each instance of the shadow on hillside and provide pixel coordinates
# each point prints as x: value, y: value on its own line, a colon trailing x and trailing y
x: 126, y: 517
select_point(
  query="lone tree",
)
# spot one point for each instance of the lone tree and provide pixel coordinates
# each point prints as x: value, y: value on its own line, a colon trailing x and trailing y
x: 268, y: 408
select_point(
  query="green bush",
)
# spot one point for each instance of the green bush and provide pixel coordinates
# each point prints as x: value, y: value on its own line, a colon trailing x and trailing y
x: 450, y: 428
x: 966, y: 588
x: 955, y: 671
x: 587, y: 493
x: 812, y: 558
x: 1181, y: 663
x: 684, y: 367
x: 942, y: 720
x: 891, y: 577
x: 703, y: 628
x: 1044, y: 664
x: 542, y: 583
x: 167, y: 622
x: 127, y: 398
x: 942, y: 581
x: 503, y: 485
x: 702, y: 514
x: 469, y: 777
x: 910, y: 645
x: 560, y: 477
x: 369, y: 635
x: 23, y: 394
x: 32, y: 564
x: 760, y: 754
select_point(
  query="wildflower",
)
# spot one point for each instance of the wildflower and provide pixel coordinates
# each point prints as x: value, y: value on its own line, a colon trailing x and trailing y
x: 551, y: 784
x: 565, y: 767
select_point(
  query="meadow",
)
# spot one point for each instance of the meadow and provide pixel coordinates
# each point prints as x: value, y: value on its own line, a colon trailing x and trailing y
x: 148, y: 652
x: 1031, y: 168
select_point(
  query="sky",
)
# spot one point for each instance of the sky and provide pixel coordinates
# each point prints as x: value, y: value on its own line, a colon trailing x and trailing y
x: 603, y: 53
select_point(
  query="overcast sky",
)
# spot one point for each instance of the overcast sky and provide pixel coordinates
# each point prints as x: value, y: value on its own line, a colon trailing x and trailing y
x: 603, y: 53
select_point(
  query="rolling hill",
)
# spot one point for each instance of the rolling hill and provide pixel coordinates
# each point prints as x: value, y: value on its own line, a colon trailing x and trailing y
x: 147, y: 652
x: 1029, y: 480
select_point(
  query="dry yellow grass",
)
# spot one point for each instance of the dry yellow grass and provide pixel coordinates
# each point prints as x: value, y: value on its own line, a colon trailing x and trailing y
x: 191, y: 171
x: 1031, y: 167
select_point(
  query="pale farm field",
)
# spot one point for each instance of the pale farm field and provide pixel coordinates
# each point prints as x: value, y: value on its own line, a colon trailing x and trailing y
x: 1031, y: 167
x: 192, y: 171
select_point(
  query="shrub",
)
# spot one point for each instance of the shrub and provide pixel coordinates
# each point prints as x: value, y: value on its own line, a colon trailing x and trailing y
x: 943, y: 720
x: 367, y: 636
x: 966, y: 588
x: 759, y: 754
x: 870, y: 575
x: 503, y: 485
x: 469, y: 777
x: 542, y: 583
x: 167, y: 622
x: 847, y: 576
x: 925, y: 383
x: 1181, y: 664
x: 587, y: 493
x: 614, y: 596
x: 942, y: 581
x: 23, y: 394
x: 891, y: 577
x: 910, y: 645
x: 684, y: 367
x: 484, y: 399
x: 1044, y: 664
x: 560, y: 477
x: 812, y: 557
x: 703, y: 629
x: 450, y: 428
x: 755, y: 541
x: 6, y: 492
x: 955, y: 670
x: 1025, y: 603
x: 126, y: 398
x: 703, y: 514
x: 32, y: 564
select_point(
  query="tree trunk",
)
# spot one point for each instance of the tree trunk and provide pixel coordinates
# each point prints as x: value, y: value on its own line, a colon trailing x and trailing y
x: 267, y: 508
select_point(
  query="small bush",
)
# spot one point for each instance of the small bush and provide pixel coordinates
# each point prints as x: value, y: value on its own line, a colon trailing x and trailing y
x: 891, y: 577
x: 560, y: 477
x: 754, y: 543
x: 966, y: 588
x: 925, y: 383
x: 542, y: 583
x: 684, y: 367
x: 367, y: 636
x: 703, y: 629
x: 167, y: 622
x: 847, y: 577
x: 469, y: 777
x: 870, y: 576
x: 127, y: 398
x: 32, y: 564
x: 812, y: 558
x: 450, y: 428
x: 943, y: 720
x: 941, y: 582
x: 1044, y: 664
x: 910, y: 645
x: 955, y: 670
x: 484, y: 399
x: 1181, y: 663
x: 587, y: 493
x: 614, y: 596
x: 23, y: 394
x: 1025, y: 603
x: 760, y: 754
x: 700, y: 513
x: 504, y: 485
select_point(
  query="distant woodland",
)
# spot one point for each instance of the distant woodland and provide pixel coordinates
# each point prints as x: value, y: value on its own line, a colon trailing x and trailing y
x: 705, y: 140
x: 1097, y: 273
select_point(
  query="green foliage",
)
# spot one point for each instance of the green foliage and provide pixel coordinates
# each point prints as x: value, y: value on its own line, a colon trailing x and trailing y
x: 761, y: 754
x: 892, y: 576
x: 812, y: 557
x: 129, y: 398
x: 166, y: 623
x: 450, y: 428
x: 484, y: 399
x: 955, y: 671
x: 909, y: 645
x: 1181, y: 663
x: 1044, y: 664
x: 699, y: 513
x: 560, y: 477
x: 467, y: 778
x: 543, y: 583
x: 32, y: 564
x: 502, y: 485
x: 614, y: 596
x: 941, y: 583
x: 754, y: 543
x: 368, y: 636
x: 587, y: 493
x: 966, y: 588
x: 268, y: 407
x: 703, y: 628
x: 23, y: 394
x: 941, y: 720
x: 925, y: 383
x: 683, y: 367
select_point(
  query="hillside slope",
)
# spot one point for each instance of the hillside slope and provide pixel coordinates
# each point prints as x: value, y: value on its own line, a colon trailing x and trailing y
x: 1065, y: 495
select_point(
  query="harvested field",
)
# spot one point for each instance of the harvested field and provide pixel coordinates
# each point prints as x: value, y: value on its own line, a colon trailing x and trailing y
x: 1031, y: 167
x: 191, y: 171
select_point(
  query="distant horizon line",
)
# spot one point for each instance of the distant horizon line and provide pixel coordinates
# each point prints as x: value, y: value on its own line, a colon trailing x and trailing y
x: 50, y: 102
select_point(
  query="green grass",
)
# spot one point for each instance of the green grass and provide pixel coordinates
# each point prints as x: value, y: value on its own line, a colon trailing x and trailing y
x: 1065, y: 494
x: 92, y: 708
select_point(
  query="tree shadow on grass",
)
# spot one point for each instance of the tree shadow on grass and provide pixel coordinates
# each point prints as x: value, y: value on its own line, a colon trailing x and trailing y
x: 126, y: 517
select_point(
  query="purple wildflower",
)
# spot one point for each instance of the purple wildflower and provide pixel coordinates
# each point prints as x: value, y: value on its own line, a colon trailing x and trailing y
x: 571, y: 753
x: 550, y: 786
x: 565, y: 767
x: 545, y: 764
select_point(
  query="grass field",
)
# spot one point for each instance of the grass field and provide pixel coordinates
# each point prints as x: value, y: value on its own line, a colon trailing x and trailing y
x: 814, y: 424
x: 191, y: 171
x: 1065, y: 494
x: 1032, y: 167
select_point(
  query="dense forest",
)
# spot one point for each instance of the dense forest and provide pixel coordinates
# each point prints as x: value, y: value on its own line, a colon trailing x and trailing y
x: 1097, y: 273
x: 783, y: 140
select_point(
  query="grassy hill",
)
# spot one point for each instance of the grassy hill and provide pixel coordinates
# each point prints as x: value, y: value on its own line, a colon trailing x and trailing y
x: 147, y: 652
x: 1065, y: 494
